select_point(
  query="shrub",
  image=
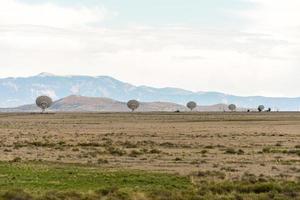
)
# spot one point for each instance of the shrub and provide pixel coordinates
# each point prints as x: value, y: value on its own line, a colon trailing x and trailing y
x: 16, y: 195
x: 266, y: 150
x: 116, y: 151
x: 211, y: 174
x: 178, y: 159
x: 204, y: 151
x: 102, y: 161
x: 154, y: 151
x: 129, y: 145
x: 297, y: 146
x: 17, y: 159
x: 113, y: 193
x: 230, y: 151
x: 240, y: 152
x: 135, y: 153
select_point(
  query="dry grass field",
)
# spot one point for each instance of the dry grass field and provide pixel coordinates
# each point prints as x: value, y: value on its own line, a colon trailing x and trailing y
x: 221, y: 146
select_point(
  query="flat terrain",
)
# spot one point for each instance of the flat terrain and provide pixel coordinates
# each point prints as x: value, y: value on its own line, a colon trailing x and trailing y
x: 221, y: 146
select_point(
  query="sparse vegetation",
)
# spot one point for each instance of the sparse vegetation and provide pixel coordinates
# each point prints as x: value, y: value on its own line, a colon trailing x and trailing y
x: 51, y: 181
x: 231, y: 149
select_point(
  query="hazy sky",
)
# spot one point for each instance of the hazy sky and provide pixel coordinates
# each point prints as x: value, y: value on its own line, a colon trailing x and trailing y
x: 243, y: 47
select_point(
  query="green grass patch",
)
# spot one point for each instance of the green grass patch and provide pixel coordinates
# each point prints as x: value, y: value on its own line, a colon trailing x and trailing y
x: 45, y: 181
x: 39, y: 178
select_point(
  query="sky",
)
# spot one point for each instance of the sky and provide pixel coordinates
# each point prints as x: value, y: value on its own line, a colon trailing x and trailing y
x: 241, y: 47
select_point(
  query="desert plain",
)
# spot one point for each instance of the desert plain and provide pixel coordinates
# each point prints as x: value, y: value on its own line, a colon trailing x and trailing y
x: 190, y: 155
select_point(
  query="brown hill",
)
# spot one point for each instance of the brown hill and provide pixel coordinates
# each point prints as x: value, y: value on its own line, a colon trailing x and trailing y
x: 95, y: 104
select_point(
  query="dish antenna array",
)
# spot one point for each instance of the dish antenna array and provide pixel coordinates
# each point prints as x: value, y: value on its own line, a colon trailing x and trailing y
x: 133, y: 105
x: 261, y: 108
x: 232, y: 107
x: 191, y: 105
x: 44, y: 102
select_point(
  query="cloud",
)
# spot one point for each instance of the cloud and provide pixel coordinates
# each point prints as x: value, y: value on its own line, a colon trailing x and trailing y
x: 150, y: 56
x: 274, y: 14
x: 13, y: 12
x: 258, y: 58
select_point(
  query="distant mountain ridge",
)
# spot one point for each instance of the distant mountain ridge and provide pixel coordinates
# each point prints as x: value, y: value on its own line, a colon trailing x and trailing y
x: 23, y: 90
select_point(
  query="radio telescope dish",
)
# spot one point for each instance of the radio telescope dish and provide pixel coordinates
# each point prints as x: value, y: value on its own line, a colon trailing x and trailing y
x: 44, y: 102
x: 261, y: 108
x: 232, y: 107
x: 191, y: 105
x: 133, y: 105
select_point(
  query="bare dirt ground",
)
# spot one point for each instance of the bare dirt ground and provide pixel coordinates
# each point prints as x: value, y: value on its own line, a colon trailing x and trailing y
x: 183, y: 143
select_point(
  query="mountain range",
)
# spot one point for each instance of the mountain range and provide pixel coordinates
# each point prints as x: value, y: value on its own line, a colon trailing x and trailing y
x: 18, y: 91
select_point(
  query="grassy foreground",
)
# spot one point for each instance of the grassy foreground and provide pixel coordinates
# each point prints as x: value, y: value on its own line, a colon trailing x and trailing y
x: 25, y: 181
x: 61, y: 181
